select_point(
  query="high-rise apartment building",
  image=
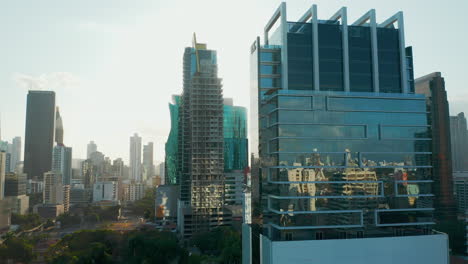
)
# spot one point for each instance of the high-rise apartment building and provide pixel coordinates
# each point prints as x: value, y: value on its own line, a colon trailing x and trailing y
x: 5, y: 212
x: 53, y: 188
x: 88, y: 172
x: 15, y: 184
x: 15, y: 154
x: 343, y: 145
x: 148, y: 163
x: 58, y: 128
x: 201, y: 142
x: 39, y: 135
x: 91, y: 148
x: 62, y: 162
x: 459, y: 139
x: 118, y: 168
x: 135, y: 158
x: 461, y: 189
x: 433, y: 87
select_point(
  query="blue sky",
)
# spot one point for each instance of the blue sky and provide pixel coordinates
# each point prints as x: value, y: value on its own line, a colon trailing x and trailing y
x: 114, y: 64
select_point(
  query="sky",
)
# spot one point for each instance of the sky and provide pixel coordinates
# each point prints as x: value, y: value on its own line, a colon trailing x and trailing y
x: 114, y: 64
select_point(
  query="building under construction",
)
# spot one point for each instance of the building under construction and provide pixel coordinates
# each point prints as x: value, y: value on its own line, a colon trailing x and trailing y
x: 201, y: 150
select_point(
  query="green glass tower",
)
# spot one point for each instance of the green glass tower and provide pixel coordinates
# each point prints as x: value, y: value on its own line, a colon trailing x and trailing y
x: 171, y: 147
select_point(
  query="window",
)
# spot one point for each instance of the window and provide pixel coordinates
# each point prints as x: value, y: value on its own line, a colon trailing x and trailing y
x: 360, y: 234
x: 318, y: 235
x: 288, y: 236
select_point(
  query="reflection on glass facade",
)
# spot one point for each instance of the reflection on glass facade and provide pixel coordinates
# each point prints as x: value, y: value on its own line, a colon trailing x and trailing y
x: 171, y: 147
x: 235, y: 138
x: 337, y: 163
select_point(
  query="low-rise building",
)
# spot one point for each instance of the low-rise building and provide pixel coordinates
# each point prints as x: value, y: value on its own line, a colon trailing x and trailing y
x: 105, y: 191
x: 48, y: 211
x: 18, y: 204
x: 134, y: 191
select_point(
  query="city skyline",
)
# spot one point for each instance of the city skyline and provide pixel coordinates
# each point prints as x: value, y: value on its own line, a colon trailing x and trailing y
x: 108, y: 35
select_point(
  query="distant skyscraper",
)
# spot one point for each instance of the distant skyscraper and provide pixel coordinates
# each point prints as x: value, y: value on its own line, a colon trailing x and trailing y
x: 92, y: 147
x: 39, y: 136
x: 343, y: 144
x: 88, y: 173
x: 61, y: 162
x: 135, y: 158
x: 118, y: 168
x: 58, y: 128
x: 433, y: 87
x: 148, y: 163
x: 98, y: 161
x: 459, y: 138
x: 162, y: 172
x: 15, y: 154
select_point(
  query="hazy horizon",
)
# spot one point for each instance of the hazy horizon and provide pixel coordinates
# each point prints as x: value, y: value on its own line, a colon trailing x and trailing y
x: 114, y: 64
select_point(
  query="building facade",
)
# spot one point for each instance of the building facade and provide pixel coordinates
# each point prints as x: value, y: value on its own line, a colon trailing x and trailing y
x: 62, y: 162
x: 92, y: 147
x: 134, y: 191
x: 39, y: 136
x: 15, y: 184
x: 15, y: 154
x: 201, y: 148
x: 459, y: 139
x: 433, y: 87
x: 460, y: 180
x: 135, y: 158
x: 2, y: 174
x: 172, y: 165
x: 342, y: 140
x: 55, y: 193
x: 148, y: 161
x: 106, y: 191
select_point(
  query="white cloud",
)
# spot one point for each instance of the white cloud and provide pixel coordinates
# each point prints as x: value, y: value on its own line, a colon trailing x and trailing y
x: 48, y: 81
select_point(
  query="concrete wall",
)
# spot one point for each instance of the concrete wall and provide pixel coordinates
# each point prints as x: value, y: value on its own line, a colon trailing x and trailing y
x: 430, y: 249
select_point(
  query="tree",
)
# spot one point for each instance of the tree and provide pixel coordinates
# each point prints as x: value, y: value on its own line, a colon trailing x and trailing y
x: 223, y: 242
x: 16, y: 249
x: 153, y: 247
x: 68, y: 219
x: 27, y: 221
x: 145, y: 207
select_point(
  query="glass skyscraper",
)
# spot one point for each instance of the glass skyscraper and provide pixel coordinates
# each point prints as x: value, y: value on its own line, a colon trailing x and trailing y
x: 172, y: 170
x: 340, y: 137
x: 40, y: 128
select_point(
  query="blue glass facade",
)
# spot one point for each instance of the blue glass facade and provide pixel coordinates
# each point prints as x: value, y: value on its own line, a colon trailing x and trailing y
x: 337, y: 163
